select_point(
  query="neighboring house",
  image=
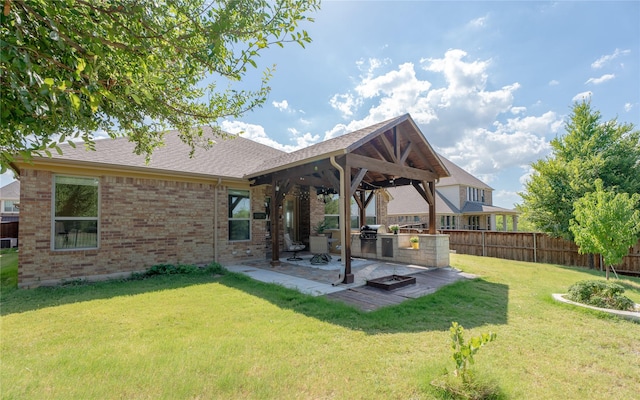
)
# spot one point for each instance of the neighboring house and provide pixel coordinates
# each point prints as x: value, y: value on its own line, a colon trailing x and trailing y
x: 9, y: 217
x: 106, y: 213
x: 9, y: 202
x: 462, y: 202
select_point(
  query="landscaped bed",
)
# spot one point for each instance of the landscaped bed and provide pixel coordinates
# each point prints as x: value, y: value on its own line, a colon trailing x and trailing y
x: 202, y: 336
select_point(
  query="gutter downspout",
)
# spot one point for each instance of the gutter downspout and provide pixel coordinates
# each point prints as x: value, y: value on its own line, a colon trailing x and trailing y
x: 215, y: 220
x: 343, y: 236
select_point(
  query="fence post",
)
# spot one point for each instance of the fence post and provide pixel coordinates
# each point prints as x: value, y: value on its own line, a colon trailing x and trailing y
x: 535, y: 249
x: 484, y: 254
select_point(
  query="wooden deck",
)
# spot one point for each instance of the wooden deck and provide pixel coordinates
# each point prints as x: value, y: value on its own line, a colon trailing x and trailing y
x: 367, y: 298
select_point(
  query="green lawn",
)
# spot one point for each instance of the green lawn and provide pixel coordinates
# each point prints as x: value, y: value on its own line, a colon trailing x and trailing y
x: 201, y: 337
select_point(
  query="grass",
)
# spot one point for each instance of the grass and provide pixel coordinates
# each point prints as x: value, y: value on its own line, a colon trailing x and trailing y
x: 201, y: 336
x: 8, y: 269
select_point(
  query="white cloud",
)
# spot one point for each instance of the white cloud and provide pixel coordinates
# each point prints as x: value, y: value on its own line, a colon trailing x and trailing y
x: 257, y: 134
x: 554, y: 82
x: 370, y: 65
x: 480, y: 22
x: 628, y: 107
x: 603, y: 78
x: 281, y: 105
x: 604, y: 60
x: 345, y: 103
x: 516, y: 143
x: 582, y: 96
x: 462, y: 118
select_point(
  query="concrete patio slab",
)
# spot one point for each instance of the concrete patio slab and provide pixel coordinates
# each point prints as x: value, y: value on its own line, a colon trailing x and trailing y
x: 303, y: 285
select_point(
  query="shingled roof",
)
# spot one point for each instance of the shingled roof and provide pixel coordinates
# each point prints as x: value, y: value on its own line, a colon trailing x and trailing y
x: 352, y: 142
x: 242, y: 158
x: 230, y: 158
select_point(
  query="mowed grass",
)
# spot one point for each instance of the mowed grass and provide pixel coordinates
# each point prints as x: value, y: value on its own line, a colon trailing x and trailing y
x: 201, y: 337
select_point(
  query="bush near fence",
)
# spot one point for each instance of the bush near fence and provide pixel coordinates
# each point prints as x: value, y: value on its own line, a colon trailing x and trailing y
x: 533, y: 247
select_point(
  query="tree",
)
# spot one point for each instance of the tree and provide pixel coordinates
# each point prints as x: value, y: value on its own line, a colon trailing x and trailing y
x: 606, y: 223
x: 71, y: 68
x: 590, y: 150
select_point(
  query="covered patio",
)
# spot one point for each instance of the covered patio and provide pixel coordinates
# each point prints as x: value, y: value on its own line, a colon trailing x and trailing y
x: 355, y: 166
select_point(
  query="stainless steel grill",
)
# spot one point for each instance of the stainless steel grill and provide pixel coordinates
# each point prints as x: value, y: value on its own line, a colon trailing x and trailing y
x: 369, y: 231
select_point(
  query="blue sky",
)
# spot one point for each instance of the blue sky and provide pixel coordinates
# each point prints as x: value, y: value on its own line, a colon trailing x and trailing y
x: 488, y: 83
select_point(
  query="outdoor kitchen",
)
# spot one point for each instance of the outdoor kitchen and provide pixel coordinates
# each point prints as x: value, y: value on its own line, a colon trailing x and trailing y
x: 375, y: 242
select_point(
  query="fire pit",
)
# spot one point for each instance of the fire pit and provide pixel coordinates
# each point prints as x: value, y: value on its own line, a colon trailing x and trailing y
x: 391, y: 282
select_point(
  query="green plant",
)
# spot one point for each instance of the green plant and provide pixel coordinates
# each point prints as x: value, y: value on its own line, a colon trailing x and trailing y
x: 320, y: 227
x: 394, y: 228
x: 413, y: 239
x: 602, y: 294
x: 463, y: 352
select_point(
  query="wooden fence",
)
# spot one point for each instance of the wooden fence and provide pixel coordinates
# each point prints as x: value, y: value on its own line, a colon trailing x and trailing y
x: 533, y: 247
x: 9, y: 230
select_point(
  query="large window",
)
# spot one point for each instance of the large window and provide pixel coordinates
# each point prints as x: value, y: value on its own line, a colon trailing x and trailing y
x: 239, y: 215
x: 332, y: 213
x: 75, y: 219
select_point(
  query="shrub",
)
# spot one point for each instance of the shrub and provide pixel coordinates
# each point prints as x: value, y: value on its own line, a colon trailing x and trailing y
x: 183, y: 269
x: 603, y: 294
x: 462, y: 384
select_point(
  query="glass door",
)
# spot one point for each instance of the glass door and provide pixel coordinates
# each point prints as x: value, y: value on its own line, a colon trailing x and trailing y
x: 291, y: 218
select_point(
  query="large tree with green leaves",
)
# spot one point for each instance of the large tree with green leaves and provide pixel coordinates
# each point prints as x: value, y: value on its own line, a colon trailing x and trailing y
x: 607, y: 223
x: 70, y: 68
x: 590, y: 150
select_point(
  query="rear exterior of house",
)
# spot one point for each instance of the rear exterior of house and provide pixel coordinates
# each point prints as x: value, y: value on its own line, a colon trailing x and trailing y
x: 106, y: 213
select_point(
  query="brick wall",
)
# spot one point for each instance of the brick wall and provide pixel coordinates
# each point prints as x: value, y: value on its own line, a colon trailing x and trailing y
x: 143, y: 222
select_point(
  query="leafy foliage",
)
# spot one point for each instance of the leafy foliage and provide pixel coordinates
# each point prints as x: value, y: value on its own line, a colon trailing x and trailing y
x: 463, y: 352
x: 134, y: 68
x: 590, y: 150
x: 606, y: 223
x: 468, y: 386
x: 601, y: 294
x: 184, y: 269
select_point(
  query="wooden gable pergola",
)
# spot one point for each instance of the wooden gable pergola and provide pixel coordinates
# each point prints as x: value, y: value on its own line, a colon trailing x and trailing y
x: 390, y: 153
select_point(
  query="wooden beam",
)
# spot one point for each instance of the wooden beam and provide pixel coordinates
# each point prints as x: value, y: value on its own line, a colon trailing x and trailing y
x: 331, y: 177
x: 432, y: 209
x: 405, y: 154
x: 358, y: 161
x: 275, y: 226
x: 345, y: 197
x: 356, y: 180
x: 389, y: 147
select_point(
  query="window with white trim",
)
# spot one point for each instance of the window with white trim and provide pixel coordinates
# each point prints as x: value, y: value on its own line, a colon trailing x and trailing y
x: 239, y: 215
x: 10, y: 206
x: 75, y: 213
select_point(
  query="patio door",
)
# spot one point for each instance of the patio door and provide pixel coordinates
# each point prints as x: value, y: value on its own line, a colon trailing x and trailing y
x: 291, y: 218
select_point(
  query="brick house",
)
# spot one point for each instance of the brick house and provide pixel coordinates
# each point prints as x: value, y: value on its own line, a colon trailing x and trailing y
x: 106, y: 213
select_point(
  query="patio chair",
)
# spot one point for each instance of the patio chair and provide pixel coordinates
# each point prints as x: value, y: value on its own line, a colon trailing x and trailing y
x: 293, y: 247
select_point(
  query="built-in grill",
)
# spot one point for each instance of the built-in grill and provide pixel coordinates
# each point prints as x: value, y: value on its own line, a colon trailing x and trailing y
x: 369, y: 231
x: 369, y: 236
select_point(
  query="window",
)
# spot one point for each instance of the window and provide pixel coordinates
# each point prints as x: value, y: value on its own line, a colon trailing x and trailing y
x: 75, y: 219
x: 239, y: 215
x: 10, y: 206
x: 332, y: 213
